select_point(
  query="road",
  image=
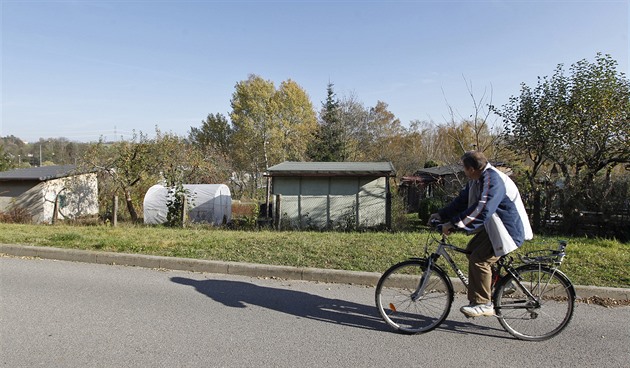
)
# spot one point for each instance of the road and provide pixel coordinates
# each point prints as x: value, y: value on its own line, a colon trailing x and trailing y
x: 66, y: 314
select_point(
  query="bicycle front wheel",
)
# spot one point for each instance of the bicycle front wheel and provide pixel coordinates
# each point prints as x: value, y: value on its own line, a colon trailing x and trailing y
x: 402, y: 306
x: 541, y: 317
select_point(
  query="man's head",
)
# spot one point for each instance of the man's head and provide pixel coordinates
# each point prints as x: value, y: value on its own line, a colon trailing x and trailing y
x: 474, y: 162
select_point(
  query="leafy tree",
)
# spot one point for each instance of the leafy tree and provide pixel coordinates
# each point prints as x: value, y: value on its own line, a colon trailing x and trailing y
x: 578, y: 123
x: 5, y: 160
x: 597, y: 131
x: 59, y: 151
x: 535, y: 121
x: 214, y: 141
x: 129, y: 165
x: 179, y: 162
x: 12, y: 152
x: 269, y: 125
x: 599, y: 120
x: 252, y: 118
x: 213, y: 136
x: 415, y: 147
x: 385, y: 131
x: 296, y: 121
x: 176, y: 160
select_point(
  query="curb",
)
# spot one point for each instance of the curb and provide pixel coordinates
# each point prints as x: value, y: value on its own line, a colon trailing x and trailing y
x: 245, y: 269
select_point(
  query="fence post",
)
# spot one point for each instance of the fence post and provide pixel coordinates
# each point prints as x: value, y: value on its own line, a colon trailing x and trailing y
x: 268, y: 212
x: 115, y: 212
x: 55, y: 215
x: 388, y: 204
x: 277, y: 213
x: 184, y: 210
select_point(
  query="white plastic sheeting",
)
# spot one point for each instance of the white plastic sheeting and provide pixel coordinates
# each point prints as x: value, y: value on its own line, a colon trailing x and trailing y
x: 207, y: 203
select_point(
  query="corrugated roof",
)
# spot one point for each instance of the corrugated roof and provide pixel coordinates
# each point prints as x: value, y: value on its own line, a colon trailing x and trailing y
x: 291, y: 168
x: 39, y: 173
x: 442, y: 170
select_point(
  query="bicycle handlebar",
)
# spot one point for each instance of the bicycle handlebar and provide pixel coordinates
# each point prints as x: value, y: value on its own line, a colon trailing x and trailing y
x: 437, y: 224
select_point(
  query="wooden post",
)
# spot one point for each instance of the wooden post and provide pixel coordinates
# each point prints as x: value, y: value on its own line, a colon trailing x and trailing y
x: 115, y: 211
x: 267, y: 194
x: 388, y: 204
x: 277, y: 212
x: 55, y: 215
x: 184, y: 210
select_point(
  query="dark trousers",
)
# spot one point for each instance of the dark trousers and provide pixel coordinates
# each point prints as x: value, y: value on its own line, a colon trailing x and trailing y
x: 479, y: 268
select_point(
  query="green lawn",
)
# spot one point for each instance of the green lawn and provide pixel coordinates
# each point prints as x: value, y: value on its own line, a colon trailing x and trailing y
x: 589, y: 262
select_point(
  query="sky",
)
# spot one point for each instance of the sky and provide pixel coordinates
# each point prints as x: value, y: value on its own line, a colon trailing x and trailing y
x: 91, y: 69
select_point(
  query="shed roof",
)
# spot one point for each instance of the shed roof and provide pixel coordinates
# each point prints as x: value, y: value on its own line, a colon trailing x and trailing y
x: 290, y: 168
x: 42, y: 173
x: 442, y: 170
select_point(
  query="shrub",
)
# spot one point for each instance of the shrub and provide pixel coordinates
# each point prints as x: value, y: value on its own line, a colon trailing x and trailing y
x: 16, y: 215
x: 429, y: 206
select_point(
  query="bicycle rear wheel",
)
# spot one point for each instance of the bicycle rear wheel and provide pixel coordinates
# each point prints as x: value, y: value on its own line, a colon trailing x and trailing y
x: 540, y: 318
x: 405, y: 312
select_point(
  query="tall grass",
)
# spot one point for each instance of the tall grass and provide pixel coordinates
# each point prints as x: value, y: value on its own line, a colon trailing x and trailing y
x: 589, y: 262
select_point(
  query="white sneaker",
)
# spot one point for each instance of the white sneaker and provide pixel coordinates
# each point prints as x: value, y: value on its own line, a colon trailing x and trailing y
x: 478, y: 310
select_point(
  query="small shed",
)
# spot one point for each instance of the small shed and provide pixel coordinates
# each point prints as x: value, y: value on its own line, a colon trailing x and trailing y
x: 425, y: 182
x: 443, y: 182
x: 328, y: 195
x: 207, y: 203
x: 49, y: 192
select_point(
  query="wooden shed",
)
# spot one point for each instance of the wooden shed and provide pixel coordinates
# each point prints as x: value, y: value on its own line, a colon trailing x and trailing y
x: 331, y: 195
x: 424, y: 183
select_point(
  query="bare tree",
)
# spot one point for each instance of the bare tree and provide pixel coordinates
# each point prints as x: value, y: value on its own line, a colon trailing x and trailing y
x: 475, y: 131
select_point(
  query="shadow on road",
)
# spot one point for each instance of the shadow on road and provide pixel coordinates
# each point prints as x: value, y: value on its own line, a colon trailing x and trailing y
x: 239, y: 294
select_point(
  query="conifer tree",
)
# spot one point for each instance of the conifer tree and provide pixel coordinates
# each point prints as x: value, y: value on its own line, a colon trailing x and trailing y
x: 330, y: 140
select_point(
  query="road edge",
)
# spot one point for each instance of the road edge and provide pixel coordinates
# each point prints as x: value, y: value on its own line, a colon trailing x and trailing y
x: 244, y: 269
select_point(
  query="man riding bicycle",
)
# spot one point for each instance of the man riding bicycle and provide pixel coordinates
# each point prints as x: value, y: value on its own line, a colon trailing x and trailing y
x: 490, y: 207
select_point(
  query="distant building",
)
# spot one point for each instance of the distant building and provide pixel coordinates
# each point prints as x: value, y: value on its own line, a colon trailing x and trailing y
x: 442, y: 182
x: 325, y: 195
x: 430, y: 182
x: 49, y: 192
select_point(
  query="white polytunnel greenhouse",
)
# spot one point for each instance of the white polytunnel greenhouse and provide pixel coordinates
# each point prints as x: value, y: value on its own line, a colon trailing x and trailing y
x: 207, y: 203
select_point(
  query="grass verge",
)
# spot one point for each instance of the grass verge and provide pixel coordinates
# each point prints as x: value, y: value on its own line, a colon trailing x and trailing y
x: 597, y: 262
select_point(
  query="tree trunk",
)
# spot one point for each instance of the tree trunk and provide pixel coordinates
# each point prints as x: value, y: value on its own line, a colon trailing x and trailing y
x: 130, y: 207
x: 536, y: 211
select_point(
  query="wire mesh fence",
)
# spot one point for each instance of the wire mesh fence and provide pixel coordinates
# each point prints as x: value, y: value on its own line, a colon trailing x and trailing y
x: 331, y: 212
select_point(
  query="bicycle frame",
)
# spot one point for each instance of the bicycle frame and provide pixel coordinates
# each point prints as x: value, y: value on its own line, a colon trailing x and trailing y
x: 442, y: 251
x: 501, y: 264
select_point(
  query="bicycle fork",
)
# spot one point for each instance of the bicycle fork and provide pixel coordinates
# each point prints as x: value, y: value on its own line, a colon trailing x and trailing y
x: 424, y: 279
x: 426, y: 275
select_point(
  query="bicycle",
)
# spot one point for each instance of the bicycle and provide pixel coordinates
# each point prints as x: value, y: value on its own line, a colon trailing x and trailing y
x: 533, y: 301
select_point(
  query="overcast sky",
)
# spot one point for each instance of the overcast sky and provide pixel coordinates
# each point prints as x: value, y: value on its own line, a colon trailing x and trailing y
x: 86, y: 69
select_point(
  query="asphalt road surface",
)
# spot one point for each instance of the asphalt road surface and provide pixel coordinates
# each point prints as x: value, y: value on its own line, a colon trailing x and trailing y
x: 65, y: 314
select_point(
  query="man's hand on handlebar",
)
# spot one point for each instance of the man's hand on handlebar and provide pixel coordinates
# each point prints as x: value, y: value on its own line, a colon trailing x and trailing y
x: 434, y: 219
x: 446, y: 228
